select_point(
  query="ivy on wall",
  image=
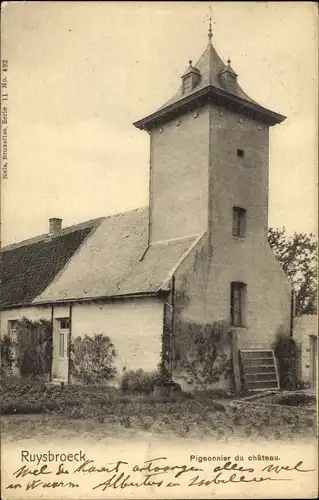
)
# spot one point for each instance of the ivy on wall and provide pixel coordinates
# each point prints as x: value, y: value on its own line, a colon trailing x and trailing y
x: 287, y: 353
x: 30, y: 351
x: 202, y: 352
x: 202, y: 349
x: 8, y: 348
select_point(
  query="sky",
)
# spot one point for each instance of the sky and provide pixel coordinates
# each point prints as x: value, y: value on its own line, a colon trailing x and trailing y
x: 80, y: 73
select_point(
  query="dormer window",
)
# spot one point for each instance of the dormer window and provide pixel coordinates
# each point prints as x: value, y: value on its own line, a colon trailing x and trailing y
x: 228, y: 77
x: 187, y: 84
x: 190, y: 78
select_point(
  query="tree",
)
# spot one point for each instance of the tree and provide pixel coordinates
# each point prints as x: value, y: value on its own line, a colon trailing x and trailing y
x: 297, y: 255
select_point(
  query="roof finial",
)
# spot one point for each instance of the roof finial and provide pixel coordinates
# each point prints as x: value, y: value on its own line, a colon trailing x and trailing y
x: 210, y: 32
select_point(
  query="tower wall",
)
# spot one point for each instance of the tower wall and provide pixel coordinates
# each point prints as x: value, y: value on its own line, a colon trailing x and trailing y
x: 179, y: 177
x: 236, y: 181
x: 243, y: 182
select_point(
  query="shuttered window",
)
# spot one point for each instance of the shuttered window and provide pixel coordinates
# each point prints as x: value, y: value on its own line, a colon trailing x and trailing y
x: 238, y: 293
x: 239, y: 221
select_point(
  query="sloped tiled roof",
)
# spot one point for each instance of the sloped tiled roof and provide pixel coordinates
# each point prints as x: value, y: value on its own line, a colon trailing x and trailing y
x: 28, y: 267
x: 106, y: 257
x: 117, y: 261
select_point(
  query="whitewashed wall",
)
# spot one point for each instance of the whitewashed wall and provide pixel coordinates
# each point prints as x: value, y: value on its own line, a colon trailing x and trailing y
x: 32, y: 313
x: 135, y: 328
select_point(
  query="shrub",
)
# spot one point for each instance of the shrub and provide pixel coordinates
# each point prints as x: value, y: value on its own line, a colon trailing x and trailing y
x: 286, y: 352
x: 34, y: 354
x: 32, y: 363
x: 92, y: 358
x: 7, y: 347
x: 139, y: 381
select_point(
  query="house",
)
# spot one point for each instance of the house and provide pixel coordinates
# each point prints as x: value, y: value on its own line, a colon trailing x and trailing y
x: 197, y: 257
x: 305, y: 333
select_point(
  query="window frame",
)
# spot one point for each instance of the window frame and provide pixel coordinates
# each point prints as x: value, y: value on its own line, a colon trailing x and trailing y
x: 12, y: 332
x: 238, y: 311
x: 67, y: 320
x: 239, y: 222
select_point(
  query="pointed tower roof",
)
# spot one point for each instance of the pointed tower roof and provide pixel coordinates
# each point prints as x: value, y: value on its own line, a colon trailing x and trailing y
x: 212, y: 86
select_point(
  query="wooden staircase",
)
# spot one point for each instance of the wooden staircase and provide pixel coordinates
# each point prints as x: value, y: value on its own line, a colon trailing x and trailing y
x: 259, y: 369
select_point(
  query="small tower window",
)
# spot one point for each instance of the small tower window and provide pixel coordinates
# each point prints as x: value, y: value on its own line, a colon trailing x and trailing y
x: 240, y: 153
x: 239, y: 221
x: 238, y: 298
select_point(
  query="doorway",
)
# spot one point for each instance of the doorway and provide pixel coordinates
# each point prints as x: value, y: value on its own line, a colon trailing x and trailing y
x: 61, y: 350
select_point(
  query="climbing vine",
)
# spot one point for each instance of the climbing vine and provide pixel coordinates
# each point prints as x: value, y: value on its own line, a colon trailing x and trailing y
x: 203, y: 355
x: 8, y: 349
x: 287, y: 353
x: 34, y: 347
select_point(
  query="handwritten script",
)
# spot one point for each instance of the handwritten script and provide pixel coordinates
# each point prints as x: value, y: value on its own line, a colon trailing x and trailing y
x: 158, y: 472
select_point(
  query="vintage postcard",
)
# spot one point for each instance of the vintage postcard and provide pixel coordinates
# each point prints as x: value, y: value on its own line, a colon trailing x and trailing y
x: 158, y: 260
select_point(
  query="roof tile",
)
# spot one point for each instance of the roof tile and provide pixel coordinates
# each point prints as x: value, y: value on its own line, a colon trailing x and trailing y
x: 28, y: 267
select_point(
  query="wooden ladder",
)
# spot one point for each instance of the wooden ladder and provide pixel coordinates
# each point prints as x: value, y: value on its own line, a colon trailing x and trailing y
x: 259, y: 369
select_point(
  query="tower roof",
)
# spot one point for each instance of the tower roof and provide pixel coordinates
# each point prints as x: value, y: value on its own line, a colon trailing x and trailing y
x: 211, y: 86
x: 191, y: 69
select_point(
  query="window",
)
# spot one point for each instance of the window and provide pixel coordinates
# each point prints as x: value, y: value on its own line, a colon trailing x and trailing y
x: 240, y: 153
x: 237, y: 303
x: 239, y: 221
x: 12, y: 328
x: 64, y: 323
x: 187, y: 83
x: 61, y: 345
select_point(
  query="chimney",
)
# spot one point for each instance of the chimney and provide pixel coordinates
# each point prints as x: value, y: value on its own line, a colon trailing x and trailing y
x: 55, y: 225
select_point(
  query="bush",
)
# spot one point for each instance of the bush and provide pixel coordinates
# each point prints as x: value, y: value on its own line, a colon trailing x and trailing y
x: 92, y: 359
x: 7, y: 347
x: 33, y: 347
x: 31, y: 363
x: 286, y: 352
x: 139, y: 381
